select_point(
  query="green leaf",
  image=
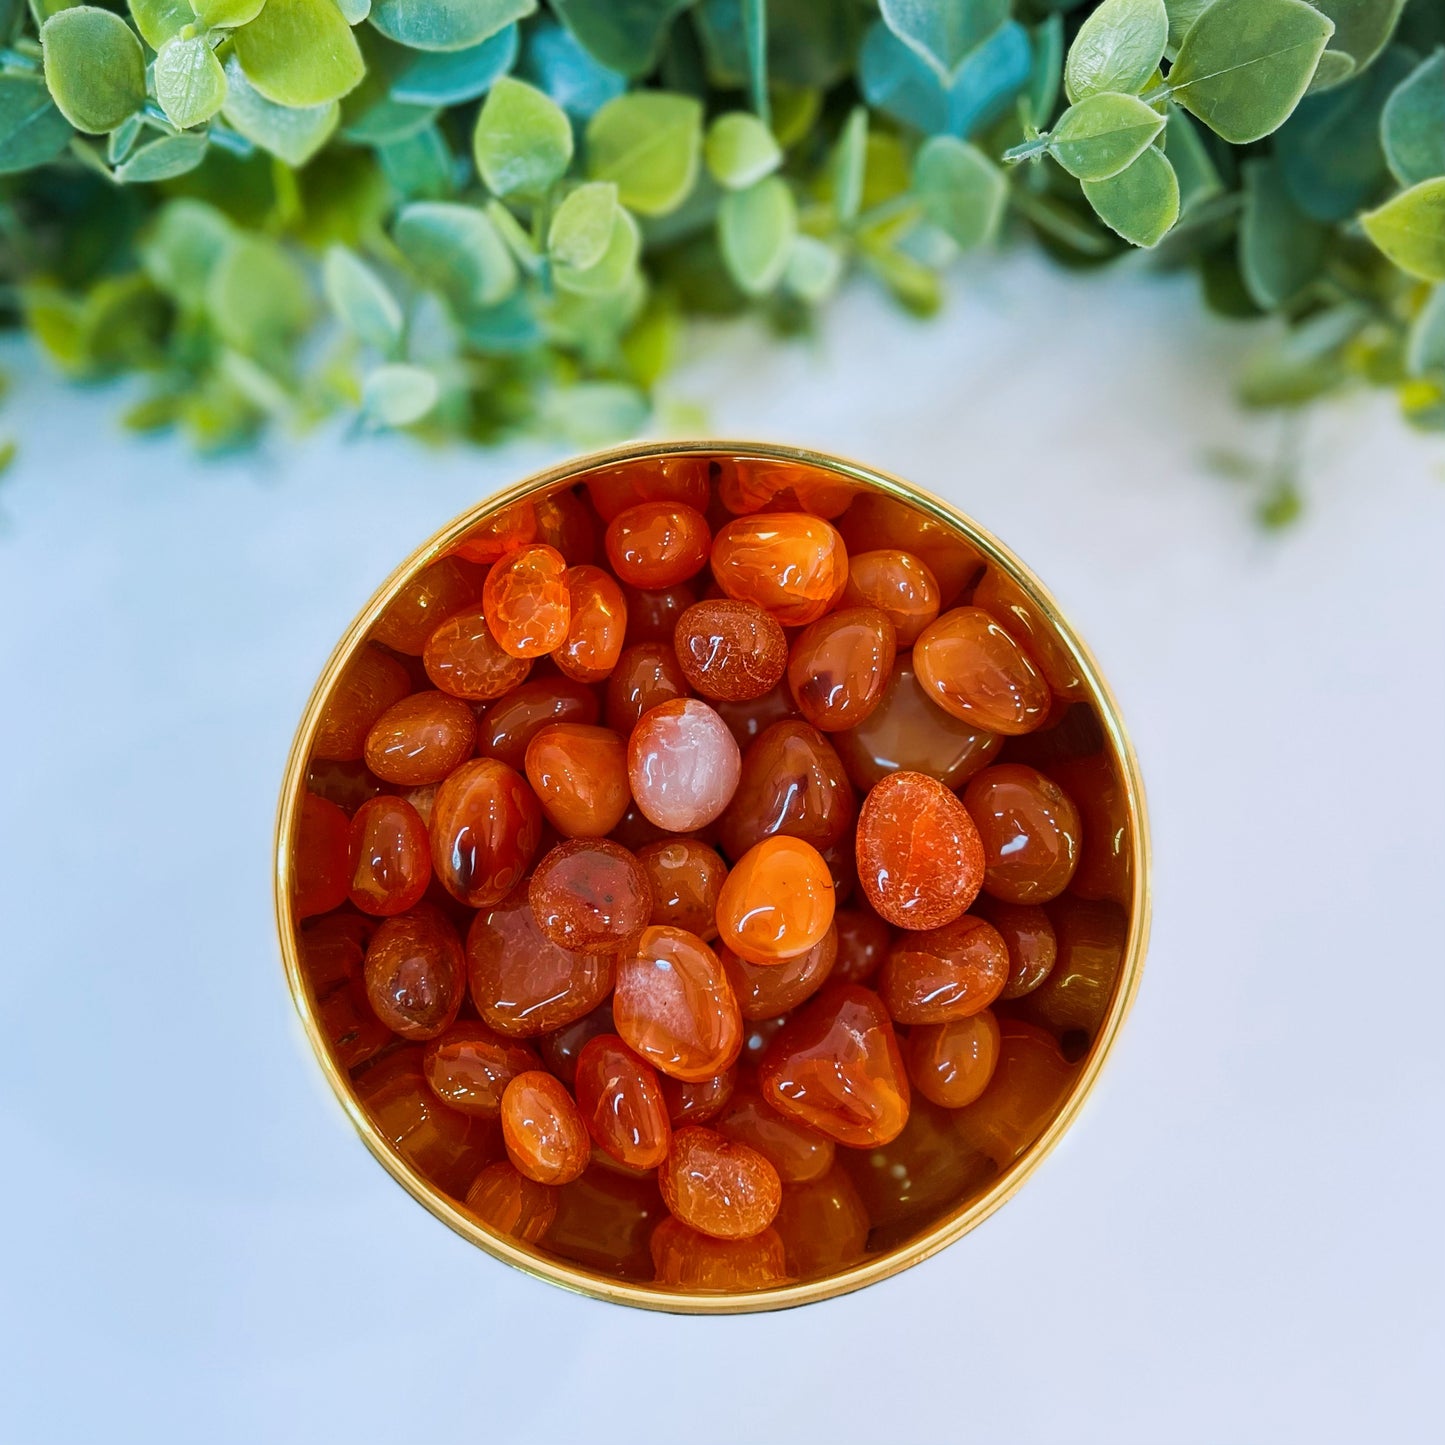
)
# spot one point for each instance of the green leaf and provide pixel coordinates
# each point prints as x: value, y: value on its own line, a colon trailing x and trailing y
x: 814, y: 269
x: 1425, y: 353
x: 445, y: 24
x: 1362, y: 27
x: 623, y: 35
x: 420, y: 167
x: 1302, y: 363
x: 183, y: 245
x: 1244, y: 64
x: 455, y: 76
x: 293, y: 133
x: 32, y: 130
x: 362, y: 301
x: 1198, y: 176
x: 593, y: 412
x: 374, y: 120
x: 648, y: 142
x: 962, y: 192
x: 515, y: 236
x: 1410, y: 229
x: 522, y: 141
x: 848, y: 165
x: 1413, y: 125
x: 1118, y: 47
x: 1140, y: 203
x: 94, y: 66
x: 122, y: 139
x: 1334, y: 69
x: 582, y: 225
x: 1182, y: 15
x: 226, y: 14
x: 739, y: 150
x: 1046, y: 72
x: 300, y: 52
x: 456, y: 250
x: 161, y: 20
x: 189, y: 82
x: 755, y: 39
x: 614, y: 271
x: 355, y: 11
x: 1102, y: 134
x: 555, y: 61
x: 171, y: 155
x: 944, y: 32
x: 399, y: 394
x: 256, y: 296
x: 1281, y: 250
x: 756, y: 228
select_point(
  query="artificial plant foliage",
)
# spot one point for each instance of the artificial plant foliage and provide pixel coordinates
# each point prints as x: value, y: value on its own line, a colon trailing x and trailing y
x: 467, y: 217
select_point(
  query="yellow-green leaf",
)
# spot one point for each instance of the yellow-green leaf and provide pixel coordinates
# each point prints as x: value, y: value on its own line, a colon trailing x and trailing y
x: 1410, y: 229
x: 300, y: 52
x: 190, y: 84
x: 94, y: 66
x: 648, y: 142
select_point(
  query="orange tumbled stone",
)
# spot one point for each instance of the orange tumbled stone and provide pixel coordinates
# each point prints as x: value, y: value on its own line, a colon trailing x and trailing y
x: 590, y: 895
x: 685, y: 877
x: 898, y: 584
x: 469, y: 1066
x: 429, y: 598
x: 596, y: 626
x: 675, y: 1007
x: 797, y: 1152
x: 527, y: 603
x: 683, y: 765
x: 755, y: 484
x: 717, y: 1186
x: 792, y: 565
x: 864, y: 941
x: 351, y: 1029
x: 561, y: 1046
x: 604, y: 1221
x: 840, y: 667
x: 521, y: 982
x: 511, y: 722
x: 1024, y: 620
x: 687, y: 1259
x: 682, y: 479
x: 952, y: 1063
x: 565, y: 521
x: 646, y: 676
x: 747, y: 721
x: 421, y: 739
x: 415, y: 973
x: 940, y: 974
x: 485, y: 829
x: 1028, y: 934
x: 347, y: 784
x: 730, y: 651
x: 1029, y: 1082
x: 1106, y: 859
x: 320, y: 858
x: 390, y: 856
x: 505, y: 531
x: 877, y: 521
x: 652, y: 612
x: 1030, y: 830
x: 973, y: 669
x: 1073, y: 1001
x: 367, y: 685
x: 505, y: 1200
x: 579, y: 775
x: 462, y: 658
x: 698, y: 1101
x: 777, y: 902
x: 621, y: 1102
x: 769, y: 990
x: 836, y: 1067
x: 823, y: 1225
x: 543, y: 1132
x: 920, y: 859
x: 658, y: 544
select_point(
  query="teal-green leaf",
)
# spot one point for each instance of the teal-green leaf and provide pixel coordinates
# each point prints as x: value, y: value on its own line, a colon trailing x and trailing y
x: 1198, y: 176
x: 648, y: 142
x: 292, y: 133
x: 582, y: 225
x: 456, y: 250
x: 1118, y: 47
x: 1425, y: 352
x: 522, y: 141
x: 1413, y: 125
x: 355, y: 11
x: 419, y: 168
x: 1244, y: 64
x: 445, y: 24
x: 740, y: 150
x: 1140, y: 203
x: 452, y: 77
x: 171, y: 155
x: 1362, y: 27
x: 161, y: 20
x: 94, y: 66
x: 944, y: 32
x: 814, y: 269
x: 962, y: 192
x: 756, y: 228
x: 1102, y: 134
x: 300, y: 52
x: 1281, y: 250
x: 398, y: 394
x: 554, y: 60
x: 226, y: 14
x: 32, y: 130
x: 182, y: 247
x: 257, y: 298
x: 190, y: 85
x: 1410, y: 229
x: 755, y: 40
x: 362, y: 301
x: 623, y: 35
x: 1046, y: 72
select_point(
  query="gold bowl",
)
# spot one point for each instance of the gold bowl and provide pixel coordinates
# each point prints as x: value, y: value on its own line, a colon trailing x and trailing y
x: 1086, y: 1020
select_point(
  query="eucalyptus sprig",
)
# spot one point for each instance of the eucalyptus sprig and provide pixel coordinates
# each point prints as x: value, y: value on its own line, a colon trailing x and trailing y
x: 466, y: 217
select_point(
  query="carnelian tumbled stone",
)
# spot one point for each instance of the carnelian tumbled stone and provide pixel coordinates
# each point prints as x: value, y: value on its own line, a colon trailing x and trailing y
x: 347, y: 784
x: 421, y: 739
x: 920, y: 860
x: 797, y: 1152
x: 428, y: 599
x: 823, y: 1225
x: 579, y: 775
x: 1028, y: 1085
x: 390, y: 857
x: 321, y: 857
x: 604, y: 1220
x: 1003, y: 599
x: 755, y: 484
x: 769, y: 990
x: 718, y: 1186
x: 590, y: 895
x: 462, y: 658
x: 354, y: 1033
x: 777, y: 902
x: 682, y: 479
x: 675, y: 1007
x: 646, y: 676
x: 652, y: 612
x: 1106, y: 859
x: 527, y: 603
x: 836, y: 1067
x: 513, y: 721
x: 543, y: 1132
x: 485, y: 828
x: 1028, y: 934
x: 500, y: 534
x: 878, y: 521
x: 505, y: 1200
x: 521, y: 982
x: 683, y: 764
x: 560, y: 1047
x: 747, y: 721
x: 730, y: 651
x: 415, y: 973
x: 565, y: 521
x: 897, y: 583
x: 1030, y: 831
x: 1073, y: 1001
x: 945, y: 973
x: 841, y: 666
x: 952, y: 1063
x: 367, y: 685
x: 792, y: 565
x: 685, y: 876
x: 687, y: 1259
x: 697, y: 1101
x: 863, y: 943
x: 597, y: 624
x: 658, y: 544
x: 973, y: 669
x: 469, y: 1066
x: 622, y: 1104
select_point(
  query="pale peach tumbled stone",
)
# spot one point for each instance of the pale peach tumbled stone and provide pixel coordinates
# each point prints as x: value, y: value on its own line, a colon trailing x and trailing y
x: 684, y: 765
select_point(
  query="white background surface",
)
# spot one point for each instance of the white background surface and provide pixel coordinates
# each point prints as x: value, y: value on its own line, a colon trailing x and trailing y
x: 1239, y: 1241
